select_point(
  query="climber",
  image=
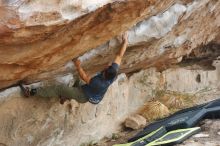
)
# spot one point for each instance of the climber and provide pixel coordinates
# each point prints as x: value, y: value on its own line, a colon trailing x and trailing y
x: 94, y: 89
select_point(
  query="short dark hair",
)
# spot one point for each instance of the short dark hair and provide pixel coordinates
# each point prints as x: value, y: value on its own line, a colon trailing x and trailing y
x: 110, y: 73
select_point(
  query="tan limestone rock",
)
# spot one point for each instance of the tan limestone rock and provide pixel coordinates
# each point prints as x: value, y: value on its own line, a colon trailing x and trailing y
x: 135, y: 122
x: 38, y: 38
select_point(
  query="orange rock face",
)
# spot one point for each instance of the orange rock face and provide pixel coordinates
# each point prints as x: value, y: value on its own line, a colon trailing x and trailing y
x: 37, y: 39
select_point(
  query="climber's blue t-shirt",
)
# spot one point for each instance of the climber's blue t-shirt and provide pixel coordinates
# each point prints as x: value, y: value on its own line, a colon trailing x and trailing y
x: 98, y: 86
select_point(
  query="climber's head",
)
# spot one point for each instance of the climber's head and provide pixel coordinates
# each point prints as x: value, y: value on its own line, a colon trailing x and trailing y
x: 111, y: 72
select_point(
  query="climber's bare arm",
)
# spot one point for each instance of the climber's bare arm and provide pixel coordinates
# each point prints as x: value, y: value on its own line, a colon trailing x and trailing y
x: 81, y: 72
x: 121, y: 52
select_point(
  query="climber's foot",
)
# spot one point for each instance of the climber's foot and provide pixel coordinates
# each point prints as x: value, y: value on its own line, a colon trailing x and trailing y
x: 25, y: 90
x: 64, y: 99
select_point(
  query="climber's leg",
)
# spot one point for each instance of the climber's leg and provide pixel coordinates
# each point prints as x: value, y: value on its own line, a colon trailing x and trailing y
x: 73, y: 93
x: 63, y: 92
x: 47, y: 91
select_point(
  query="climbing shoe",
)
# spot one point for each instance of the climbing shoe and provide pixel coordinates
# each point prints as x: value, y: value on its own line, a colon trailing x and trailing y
x: 25, y: 90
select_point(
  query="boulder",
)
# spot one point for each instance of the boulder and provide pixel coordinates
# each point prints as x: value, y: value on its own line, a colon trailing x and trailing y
x: 135, y: 122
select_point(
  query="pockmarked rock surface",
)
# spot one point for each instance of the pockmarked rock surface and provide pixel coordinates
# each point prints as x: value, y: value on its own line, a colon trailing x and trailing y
x: 37, y: 121
x: 38, y: 38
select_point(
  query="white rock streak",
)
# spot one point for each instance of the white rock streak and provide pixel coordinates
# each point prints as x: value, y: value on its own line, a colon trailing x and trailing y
x: 69, y: 9
x: 8, y: 92
x: 94, y: 52
x: 156, y: 26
